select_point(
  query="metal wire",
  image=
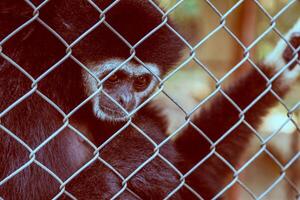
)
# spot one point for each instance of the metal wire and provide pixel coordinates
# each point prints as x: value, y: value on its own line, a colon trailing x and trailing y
x: 156, y: 146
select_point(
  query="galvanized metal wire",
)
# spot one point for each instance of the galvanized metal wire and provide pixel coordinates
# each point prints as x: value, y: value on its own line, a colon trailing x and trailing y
x: 161, y: 90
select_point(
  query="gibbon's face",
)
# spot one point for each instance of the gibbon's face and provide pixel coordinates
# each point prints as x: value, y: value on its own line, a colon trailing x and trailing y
x: 130, y: 85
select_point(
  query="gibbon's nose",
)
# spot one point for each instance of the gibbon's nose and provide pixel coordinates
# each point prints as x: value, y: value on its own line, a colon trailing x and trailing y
x: 127, y: 101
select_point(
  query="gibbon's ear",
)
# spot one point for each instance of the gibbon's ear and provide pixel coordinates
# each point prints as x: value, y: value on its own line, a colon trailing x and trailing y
x: 290, y: 53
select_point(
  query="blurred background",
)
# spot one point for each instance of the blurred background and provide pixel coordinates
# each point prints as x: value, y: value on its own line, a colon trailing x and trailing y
x: 195, y: 20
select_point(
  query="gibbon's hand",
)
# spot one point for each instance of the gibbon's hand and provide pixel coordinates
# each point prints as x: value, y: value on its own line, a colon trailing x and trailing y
x: 293, y: 54
x: 287, y: 55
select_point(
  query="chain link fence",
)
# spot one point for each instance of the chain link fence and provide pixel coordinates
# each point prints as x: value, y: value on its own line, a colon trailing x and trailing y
x: 218, y: 83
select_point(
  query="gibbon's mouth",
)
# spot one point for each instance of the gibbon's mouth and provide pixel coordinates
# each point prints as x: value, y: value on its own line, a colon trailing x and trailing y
x: 112, y: 114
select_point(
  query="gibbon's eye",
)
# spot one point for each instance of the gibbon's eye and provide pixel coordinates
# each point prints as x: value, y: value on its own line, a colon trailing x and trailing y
x: 141, y: 82
x: 113, y: 78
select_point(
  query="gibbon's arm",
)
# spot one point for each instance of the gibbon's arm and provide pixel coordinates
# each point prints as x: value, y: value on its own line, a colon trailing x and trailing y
x: 221, y: 115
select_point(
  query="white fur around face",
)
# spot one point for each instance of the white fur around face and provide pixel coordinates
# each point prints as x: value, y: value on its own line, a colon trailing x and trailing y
x: 131, y: 69
x: 98, y: 69
x: 275, y: 58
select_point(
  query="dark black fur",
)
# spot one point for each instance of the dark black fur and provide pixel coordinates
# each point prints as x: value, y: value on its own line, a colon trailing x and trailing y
x: 36, y: 50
